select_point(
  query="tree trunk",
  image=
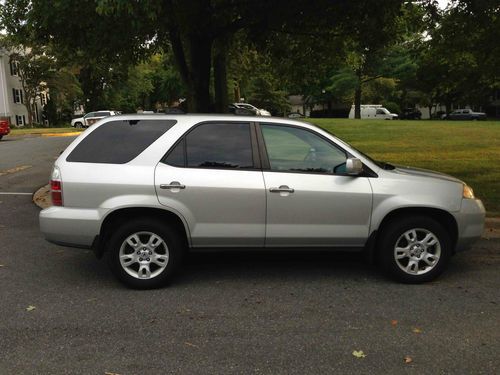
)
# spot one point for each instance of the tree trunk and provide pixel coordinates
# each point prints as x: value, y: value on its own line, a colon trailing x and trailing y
x: 220, y: 76
x: 200, y: 52
x: 357, y: 101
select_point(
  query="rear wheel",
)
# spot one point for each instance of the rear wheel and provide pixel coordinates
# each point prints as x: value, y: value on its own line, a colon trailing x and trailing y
x: 1, y: 136
x: 414, y: 249
x: 144, y: 253
x: 78, y: 125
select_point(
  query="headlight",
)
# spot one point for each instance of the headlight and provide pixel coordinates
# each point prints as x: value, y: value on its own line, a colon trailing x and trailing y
x: 468, y: 192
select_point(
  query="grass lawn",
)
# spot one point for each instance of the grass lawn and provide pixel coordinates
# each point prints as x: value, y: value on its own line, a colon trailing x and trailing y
x: 469, y: 150
x: 25, y: 131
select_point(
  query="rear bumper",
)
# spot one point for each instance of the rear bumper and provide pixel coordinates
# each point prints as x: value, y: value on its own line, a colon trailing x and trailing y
x: 4, y: 131
x: 470, y: 221
x: 74, y: 227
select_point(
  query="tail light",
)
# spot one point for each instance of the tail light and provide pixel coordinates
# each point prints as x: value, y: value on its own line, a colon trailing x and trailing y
x: 56, y: 187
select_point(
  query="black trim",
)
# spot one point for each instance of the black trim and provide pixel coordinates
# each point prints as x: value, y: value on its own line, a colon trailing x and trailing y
x: 278, y: 249
x: 367, y: 172
x: 255, y: 147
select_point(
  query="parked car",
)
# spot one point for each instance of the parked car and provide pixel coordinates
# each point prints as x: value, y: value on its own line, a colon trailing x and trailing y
x: 250, y: 108
x: 177, y: 183
x: 411, y: 114
x: 91, y: 118
x: 465, y: 114
x: 295, y: 115
x: 374, y: 112
x: 4, y: 128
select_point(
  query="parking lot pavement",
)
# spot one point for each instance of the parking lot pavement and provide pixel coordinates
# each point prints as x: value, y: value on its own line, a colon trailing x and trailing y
x: 63, y: 313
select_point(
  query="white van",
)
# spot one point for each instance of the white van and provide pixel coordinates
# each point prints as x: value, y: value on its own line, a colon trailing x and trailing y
x: 374, y: 111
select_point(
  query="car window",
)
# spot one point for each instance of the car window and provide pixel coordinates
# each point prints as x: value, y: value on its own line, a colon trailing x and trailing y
x: 466, y: 111
x: 90, y: 114
x: 219, y: 145
x: 176, y: 157
x: 119, y: 141
x: 101, y: 114
x: 298, y: 150
x: 380, y: 112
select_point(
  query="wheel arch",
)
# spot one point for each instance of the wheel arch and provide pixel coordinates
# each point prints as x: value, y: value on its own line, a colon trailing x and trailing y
x: 121, y: 215
x: 440, y: 215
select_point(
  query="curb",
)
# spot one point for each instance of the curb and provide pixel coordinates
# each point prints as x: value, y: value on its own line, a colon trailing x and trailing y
x: 491, y: 228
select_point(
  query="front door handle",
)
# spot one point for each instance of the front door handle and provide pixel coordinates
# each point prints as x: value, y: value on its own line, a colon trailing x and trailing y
x: 173, y: 185
x: 281, y: 189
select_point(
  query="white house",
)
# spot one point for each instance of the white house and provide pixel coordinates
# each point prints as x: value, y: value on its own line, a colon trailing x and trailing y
x: 12, y: 98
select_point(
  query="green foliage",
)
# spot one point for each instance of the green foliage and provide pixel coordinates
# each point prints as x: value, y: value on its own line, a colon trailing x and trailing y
x: 392, y: 107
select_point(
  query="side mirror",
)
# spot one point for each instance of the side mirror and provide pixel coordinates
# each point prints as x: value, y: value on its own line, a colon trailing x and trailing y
x: 354, y: 166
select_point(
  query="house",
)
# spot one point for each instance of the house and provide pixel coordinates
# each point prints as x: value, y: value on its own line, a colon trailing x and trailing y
x: 12, y: 97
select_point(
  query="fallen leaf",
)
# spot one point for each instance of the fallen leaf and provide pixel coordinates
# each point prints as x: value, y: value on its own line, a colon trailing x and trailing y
x: 190, y: 344
x: 111, y: 373
x: 407, y: 359
x: 30, y: 308
x: 416, y: 330
x: 394, y: 323
x: 358, y: 354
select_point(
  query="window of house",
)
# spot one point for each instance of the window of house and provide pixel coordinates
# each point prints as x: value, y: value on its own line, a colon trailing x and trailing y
x: 17, y: 95
x: 14, y: 68
x: 20, y: 120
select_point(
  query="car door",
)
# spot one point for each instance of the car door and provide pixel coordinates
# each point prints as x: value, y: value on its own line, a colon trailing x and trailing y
x: 87, y: 117
x: 310, y: 199
x: 213, y: 178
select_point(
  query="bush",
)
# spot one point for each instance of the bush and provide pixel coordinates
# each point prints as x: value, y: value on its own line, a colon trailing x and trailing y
x: 392, y: 107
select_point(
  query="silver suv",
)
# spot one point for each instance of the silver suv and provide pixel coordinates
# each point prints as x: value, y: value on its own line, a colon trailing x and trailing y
x: 144, y: 189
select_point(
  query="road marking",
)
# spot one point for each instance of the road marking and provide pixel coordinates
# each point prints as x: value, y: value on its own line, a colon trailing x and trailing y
x: 14, y: 170
x: 69, y: 134
x: 14, y: 193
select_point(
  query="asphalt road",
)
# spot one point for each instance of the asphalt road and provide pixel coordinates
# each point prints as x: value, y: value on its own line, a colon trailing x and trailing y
x: 229, y: 314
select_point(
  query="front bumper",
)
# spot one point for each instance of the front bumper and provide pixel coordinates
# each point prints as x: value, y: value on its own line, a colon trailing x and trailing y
x: 75, y: 227
x: 470, y: 221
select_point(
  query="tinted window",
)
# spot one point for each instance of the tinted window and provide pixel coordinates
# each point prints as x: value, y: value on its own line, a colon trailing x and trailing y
x: 118, y: 142
x: 298, y: 150
x: 220, y: 146
x: 176, y: 156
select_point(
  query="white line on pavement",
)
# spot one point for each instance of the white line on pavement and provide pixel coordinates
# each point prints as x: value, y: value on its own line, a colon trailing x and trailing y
x: 12, y: 193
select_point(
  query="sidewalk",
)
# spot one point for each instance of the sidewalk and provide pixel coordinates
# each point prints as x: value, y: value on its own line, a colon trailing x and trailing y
x: 492, y: 224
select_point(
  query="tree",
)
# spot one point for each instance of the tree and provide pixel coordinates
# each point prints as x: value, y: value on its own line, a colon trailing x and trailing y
x: 199, y: 33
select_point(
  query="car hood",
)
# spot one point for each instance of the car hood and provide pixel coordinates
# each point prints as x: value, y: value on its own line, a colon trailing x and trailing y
x: 419, y: 172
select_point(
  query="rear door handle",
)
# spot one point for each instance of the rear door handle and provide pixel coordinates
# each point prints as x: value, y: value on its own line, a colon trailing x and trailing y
x: 173, y: 185
x: 281, y: 189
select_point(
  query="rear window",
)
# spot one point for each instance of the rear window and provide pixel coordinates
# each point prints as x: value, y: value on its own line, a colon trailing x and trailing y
x: 118, y: 142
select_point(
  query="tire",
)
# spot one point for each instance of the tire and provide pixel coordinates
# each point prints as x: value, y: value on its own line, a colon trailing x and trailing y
x: 1, y: 136
x: 132, y: 252
x: 78, y: 125
x: 428, y: 254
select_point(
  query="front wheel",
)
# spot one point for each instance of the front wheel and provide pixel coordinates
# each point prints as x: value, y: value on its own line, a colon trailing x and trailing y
x: 414, y: 249
x: 144, y: 253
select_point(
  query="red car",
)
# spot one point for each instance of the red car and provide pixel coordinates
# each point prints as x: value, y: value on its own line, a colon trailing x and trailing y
x: 4, y: 128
